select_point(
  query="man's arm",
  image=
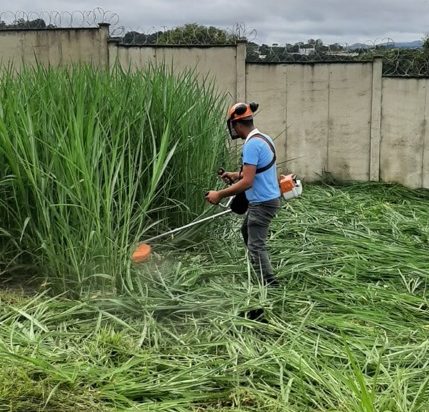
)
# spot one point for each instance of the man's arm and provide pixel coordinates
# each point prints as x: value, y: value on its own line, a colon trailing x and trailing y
x: 227, y: 177
x: 249, y: 172
x: 248, y: 175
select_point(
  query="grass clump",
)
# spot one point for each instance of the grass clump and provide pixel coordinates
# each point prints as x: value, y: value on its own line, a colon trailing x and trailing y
x: 92, y: 161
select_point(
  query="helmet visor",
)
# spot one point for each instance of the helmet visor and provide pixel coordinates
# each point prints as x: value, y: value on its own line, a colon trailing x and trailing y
x: 231, y: 130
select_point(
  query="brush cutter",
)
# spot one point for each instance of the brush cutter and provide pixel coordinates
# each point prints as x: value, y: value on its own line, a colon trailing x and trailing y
x: 290, y: 187
x: 143, y: 250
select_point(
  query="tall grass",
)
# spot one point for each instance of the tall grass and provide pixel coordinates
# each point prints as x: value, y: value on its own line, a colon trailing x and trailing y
x: 92, y: 160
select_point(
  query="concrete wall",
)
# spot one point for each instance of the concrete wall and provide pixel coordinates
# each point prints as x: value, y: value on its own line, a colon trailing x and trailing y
x: 225, y: 65
x: 54, y: 46
x: 405, y: 136
x: 319, y: 114
x: 341, y: 118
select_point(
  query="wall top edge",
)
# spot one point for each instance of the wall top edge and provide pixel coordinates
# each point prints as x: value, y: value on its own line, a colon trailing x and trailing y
x: 312, y: 63
x: 52, y: 29
x: 388, y: 76
x: 172, y: 46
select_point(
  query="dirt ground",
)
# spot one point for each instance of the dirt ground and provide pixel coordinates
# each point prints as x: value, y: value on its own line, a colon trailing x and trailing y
x: 20, y: 284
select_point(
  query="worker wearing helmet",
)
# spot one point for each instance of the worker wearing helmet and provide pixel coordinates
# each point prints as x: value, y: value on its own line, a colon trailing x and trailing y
x: 258, y: 179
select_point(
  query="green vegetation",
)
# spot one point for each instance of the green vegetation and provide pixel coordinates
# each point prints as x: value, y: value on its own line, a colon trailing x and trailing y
x: 92, y: 161
x: 347, y: 331
x: 196, y: 34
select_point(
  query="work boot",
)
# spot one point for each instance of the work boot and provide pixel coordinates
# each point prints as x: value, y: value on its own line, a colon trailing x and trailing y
x: 257, y: 315
x: 270, y: 280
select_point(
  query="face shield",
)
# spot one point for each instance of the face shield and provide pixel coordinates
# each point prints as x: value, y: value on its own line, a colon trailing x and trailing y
x: 231, y: 130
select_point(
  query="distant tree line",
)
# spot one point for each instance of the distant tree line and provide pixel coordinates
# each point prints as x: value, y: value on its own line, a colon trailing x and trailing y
x: 297, y: 52
x: 189, y: 34
x: 26, y: 24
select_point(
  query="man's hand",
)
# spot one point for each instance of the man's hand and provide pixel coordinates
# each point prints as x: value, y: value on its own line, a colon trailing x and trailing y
x: 213, y: 197
x: 241, y: 185
x: 228, y: 177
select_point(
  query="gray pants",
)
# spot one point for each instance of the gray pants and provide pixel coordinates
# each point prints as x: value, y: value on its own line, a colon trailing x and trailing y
x: 255, y: 231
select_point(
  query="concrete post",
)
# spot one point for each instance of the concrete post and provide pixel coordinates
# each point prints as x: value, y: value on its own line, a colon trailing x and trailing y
x: 425, y: 146
x: 375, y: 133
x: 240, y: 87
x: 241, y: 71
x: 104, y: 45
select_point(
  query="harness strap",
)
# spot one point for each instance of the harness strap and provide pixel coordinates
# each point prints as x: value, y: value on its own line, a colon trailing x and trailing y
x: 268, y: 166
x: 263, y: 169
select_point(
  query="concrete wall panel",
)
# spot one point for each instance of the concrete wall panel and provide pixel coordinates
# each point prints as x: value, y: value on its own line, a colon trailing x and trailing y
x: 54, y: 46
x: 307, y: 111
x: 404, y: 132
x: 266, y: 85
x: 350, y: 97
x: 218, y: 64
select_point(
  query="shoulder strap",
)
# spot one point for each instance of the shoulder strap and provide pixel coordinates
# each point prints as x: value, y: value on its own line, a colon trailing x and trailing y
x: 268, y: 166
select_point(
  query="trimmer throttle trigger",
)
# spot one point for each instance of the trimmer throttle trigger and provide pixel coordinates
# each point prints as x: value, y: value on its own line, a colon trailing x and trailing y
x: 228, y: 180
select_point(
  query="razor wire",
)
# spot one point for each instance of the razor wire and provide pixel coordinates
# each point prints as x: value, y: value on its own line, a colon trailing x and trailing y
x: 298, y: 52
x: 312, y: 51
x: 189, y: 34
x: 403, y: 62
x: 397, y: 61
x: 56, y: 19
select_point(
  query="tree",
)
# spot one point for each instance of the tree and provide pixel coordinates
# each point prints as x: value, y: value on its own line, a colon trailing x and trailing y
x: 196, y: 34
x: 336, y: 47
x: 136, y: 38
x: 25, y: 24
x: 319, y: 43
x: 426, y: 43
x: 252, y: 52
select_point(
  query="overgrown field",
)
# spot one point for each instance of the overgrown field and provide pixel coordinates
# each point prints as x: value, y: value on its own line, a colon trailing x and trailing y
x: 347, y: 330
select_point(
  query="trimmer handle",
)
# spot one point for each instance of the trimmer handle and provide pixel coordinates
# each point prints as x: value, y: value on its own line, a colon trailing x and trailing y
x: 220, y: 172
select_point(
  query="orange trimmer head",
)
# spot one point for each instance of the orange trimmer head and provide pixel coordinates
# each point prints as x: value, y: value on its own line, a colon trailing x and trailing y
x: 142, y: 253
x: 143, y: 250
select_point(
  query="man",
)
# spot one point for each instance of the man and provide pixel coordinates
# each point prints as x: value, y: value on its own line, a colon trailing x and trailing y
x: 258, y: 178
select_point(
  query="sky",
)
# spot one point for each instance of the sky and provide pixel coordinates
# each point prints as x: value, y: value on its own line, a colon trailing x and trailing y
x: 267, y: 21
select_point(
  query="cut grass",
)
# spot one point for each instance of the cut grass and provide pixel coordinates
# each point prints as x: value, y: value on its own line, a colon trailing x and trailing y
x: 347, y: 331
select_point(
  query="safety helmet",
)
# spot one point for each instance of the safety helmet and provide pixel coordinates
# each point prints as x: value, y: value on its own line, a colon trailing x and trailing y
x: 240, y: 111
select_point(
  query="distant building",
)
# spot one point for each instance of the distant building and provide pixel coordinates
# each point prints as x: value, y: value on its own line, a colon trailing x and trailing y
x: 306, y: 50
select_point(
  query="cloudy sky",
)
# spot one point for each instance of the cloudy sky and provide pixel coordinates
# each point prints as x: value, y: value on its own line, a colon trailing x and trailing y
x: 271, y: 21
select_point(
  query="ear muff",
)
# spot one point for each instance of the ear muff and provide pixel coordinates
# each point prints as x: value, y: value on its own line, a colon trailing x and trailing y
x: 253, y: 106
x: 240, y: 109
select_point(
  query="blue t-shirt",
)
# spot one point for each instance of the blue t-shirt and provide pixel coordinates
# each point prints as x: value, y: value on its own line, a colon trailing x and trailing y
x: 258, y: 153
